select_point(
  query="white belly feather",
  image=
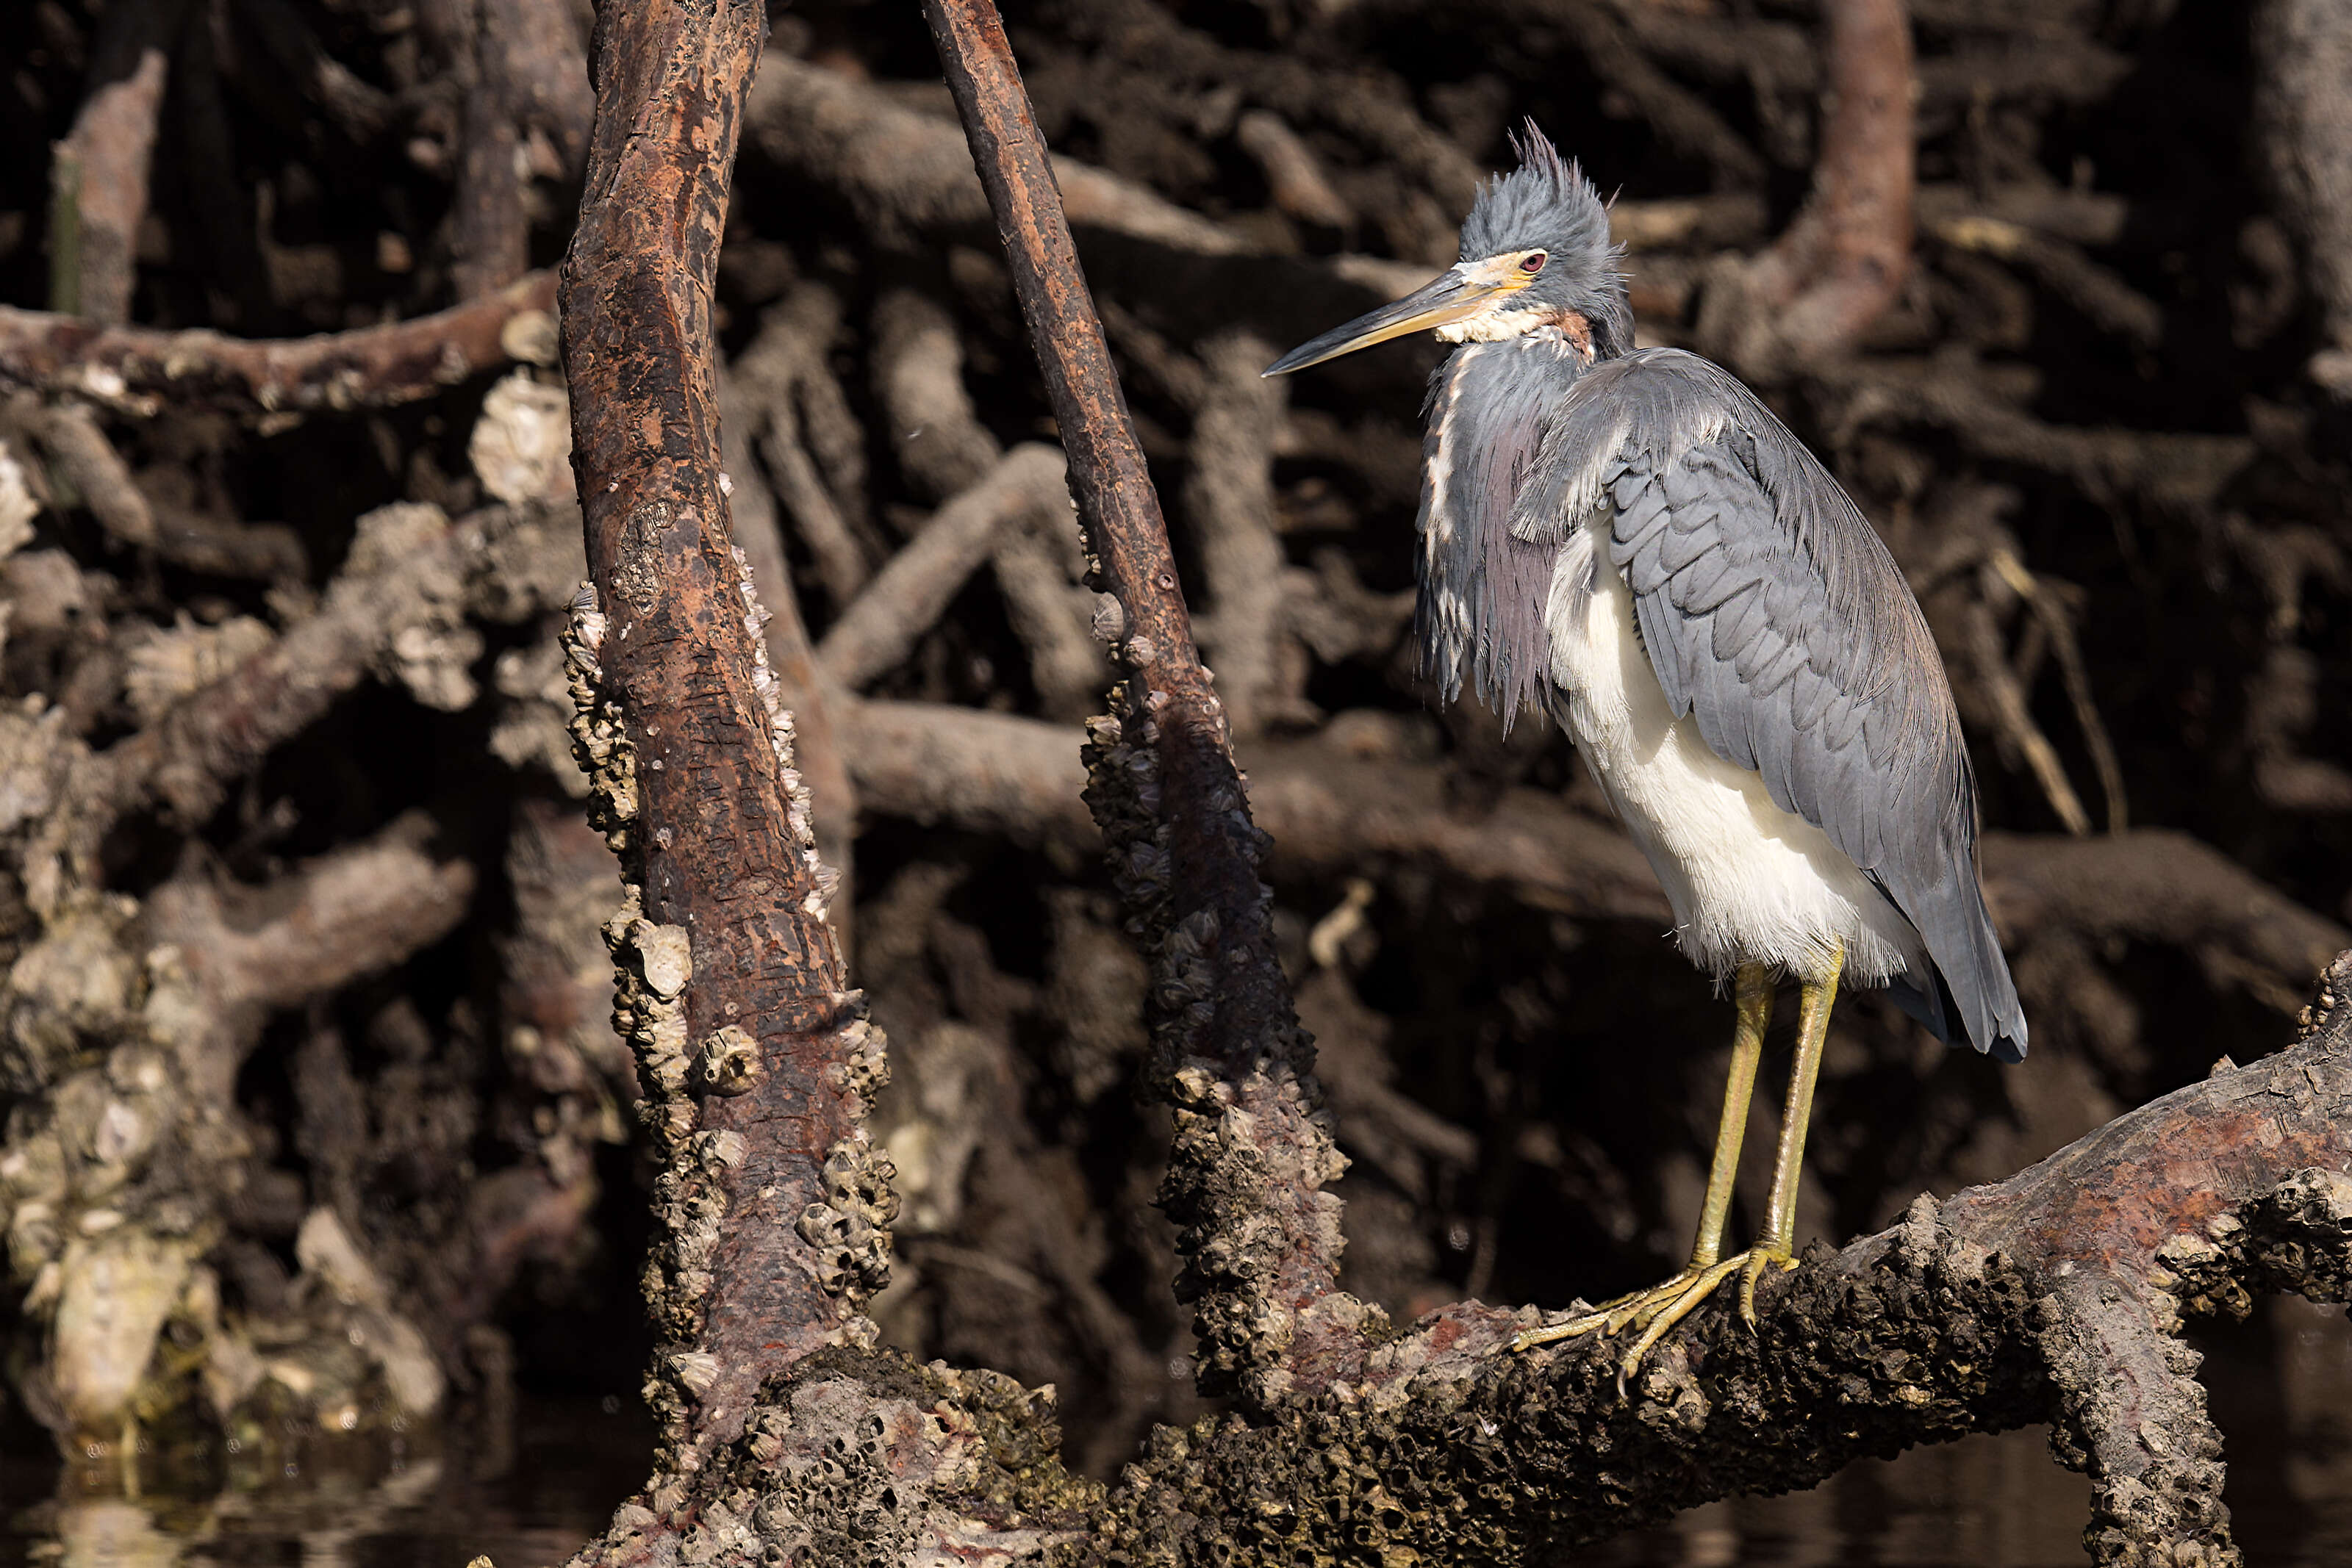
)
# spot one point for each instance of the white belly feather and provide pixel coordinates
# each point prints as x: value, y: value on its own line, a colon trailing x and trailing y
x: 1749, y: 881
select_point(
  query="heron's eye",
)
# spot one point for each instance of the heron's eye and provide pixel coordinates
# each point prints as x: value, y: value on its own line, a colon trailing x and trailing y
x: 1533, y: 264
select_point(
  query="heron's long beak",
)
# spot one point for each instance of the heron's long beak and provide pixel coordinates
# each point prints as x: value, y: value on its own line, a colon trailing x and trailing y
x: 1454, y: 295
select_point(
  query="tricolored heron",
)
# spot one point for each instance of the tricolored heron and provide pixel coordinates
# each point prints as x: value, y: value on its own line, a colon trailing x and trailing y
x: 1628, y: 539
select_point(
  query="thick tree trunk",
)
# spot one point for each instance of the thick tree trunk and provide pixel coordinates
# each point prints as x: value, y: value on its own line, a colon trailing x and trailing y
x: 756, y: 1062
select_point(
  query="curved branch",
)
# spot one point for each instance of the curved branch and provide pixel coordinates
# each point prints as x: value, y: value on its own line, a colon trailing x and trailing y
x: 907, y: 597
x: 359, y: 910
x: 406, y: 575
x: 1254, y: 1150
x: 2056, y: 1295
x: 1843, y: 261
x: 138, y: 370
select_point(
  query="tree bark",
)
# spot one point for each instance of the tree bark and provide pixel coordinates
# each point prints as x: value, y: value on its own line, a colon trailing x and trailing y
x: 102, y: 166
x: 2057, y: 1296
x: 2301, y: 50
x: 755, y: 1061
x: 1843, y: 261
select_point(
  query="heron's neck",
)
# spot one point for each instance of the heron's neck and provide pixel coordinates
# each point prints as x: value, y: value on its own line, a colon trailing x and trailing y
x: 1552, y: 323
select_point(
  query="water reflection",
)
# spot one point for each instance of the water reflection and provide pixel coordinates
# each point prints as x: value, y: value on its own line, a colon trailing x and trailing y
x: 529, y: 1486
x: 526, y: 1486
x: 118, y: 1534
x: 1986, y: 1502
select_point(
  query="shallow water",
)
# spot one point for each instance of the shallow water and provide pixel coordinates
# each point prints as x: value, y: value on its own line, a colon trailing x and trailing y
x: 525, y: 1487
x: 529, y: 1487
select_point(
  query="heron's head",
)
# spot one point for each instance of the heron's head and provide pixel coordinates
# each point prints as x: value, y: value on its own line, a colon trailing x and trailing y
x: 1535, y: 256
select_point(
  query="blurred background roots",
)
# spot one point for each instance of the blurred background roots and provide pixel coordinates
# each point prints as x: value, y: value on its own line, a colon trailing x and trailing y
x: 315, y: 1119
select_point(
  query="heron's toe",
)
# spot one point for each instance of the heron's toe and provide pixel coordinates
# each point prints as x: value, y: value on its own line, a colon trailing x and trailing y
x: 1663, y: 1317
x: 1655, y: 1312
x: 1759, y: 1258
x: 1611, y: 1318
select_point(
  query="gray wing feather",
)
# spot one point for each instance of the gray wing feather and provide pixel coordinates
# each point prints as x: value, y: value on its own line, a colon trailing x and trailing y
x: 1774, y: 617
x: 1709, y: 585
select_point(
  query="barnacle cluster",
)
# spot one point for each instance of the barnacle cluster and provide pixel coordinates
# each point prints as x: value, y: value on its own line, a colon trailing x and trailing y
x: 600, y: 739
x: 850, y: 1226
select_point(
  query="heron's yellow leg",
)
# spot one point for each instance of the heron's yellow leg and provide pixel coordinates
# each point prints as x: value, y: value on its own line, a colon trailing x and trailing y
x: 1776, y: 1247
x: 1752, y: 992
x: 1773, y: 1249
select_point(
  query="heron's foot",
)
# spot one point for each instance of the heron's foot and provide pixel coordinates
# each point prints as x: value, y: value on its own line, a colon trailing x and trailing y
x: 1655, y: 1312
x: 1637, y: 1311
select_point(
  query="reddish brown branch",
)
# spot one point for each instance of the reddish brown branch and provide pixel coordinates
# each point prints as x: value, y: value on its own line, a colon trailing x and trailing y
x: 1858, y: 227
x: 1261, y: 1240
x: 696, y: 776
x: 138, y: 371
x: 2054, y: 1295
x: 1844, y: 259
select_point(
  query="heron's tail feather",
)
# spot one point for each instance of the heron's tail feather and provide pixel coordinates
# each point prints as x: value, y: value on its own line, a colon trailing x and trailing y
x: 1972, y: 988
x: 1929, y: 1002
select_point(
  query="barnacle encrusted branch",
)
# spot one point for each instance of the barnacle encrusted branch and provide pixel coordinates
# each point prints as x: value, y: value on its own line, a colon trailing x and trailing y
x: 682, y: 727
x: 1352, y: 1444
x: 2056, y: 1295
x: 1261, y: 1238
